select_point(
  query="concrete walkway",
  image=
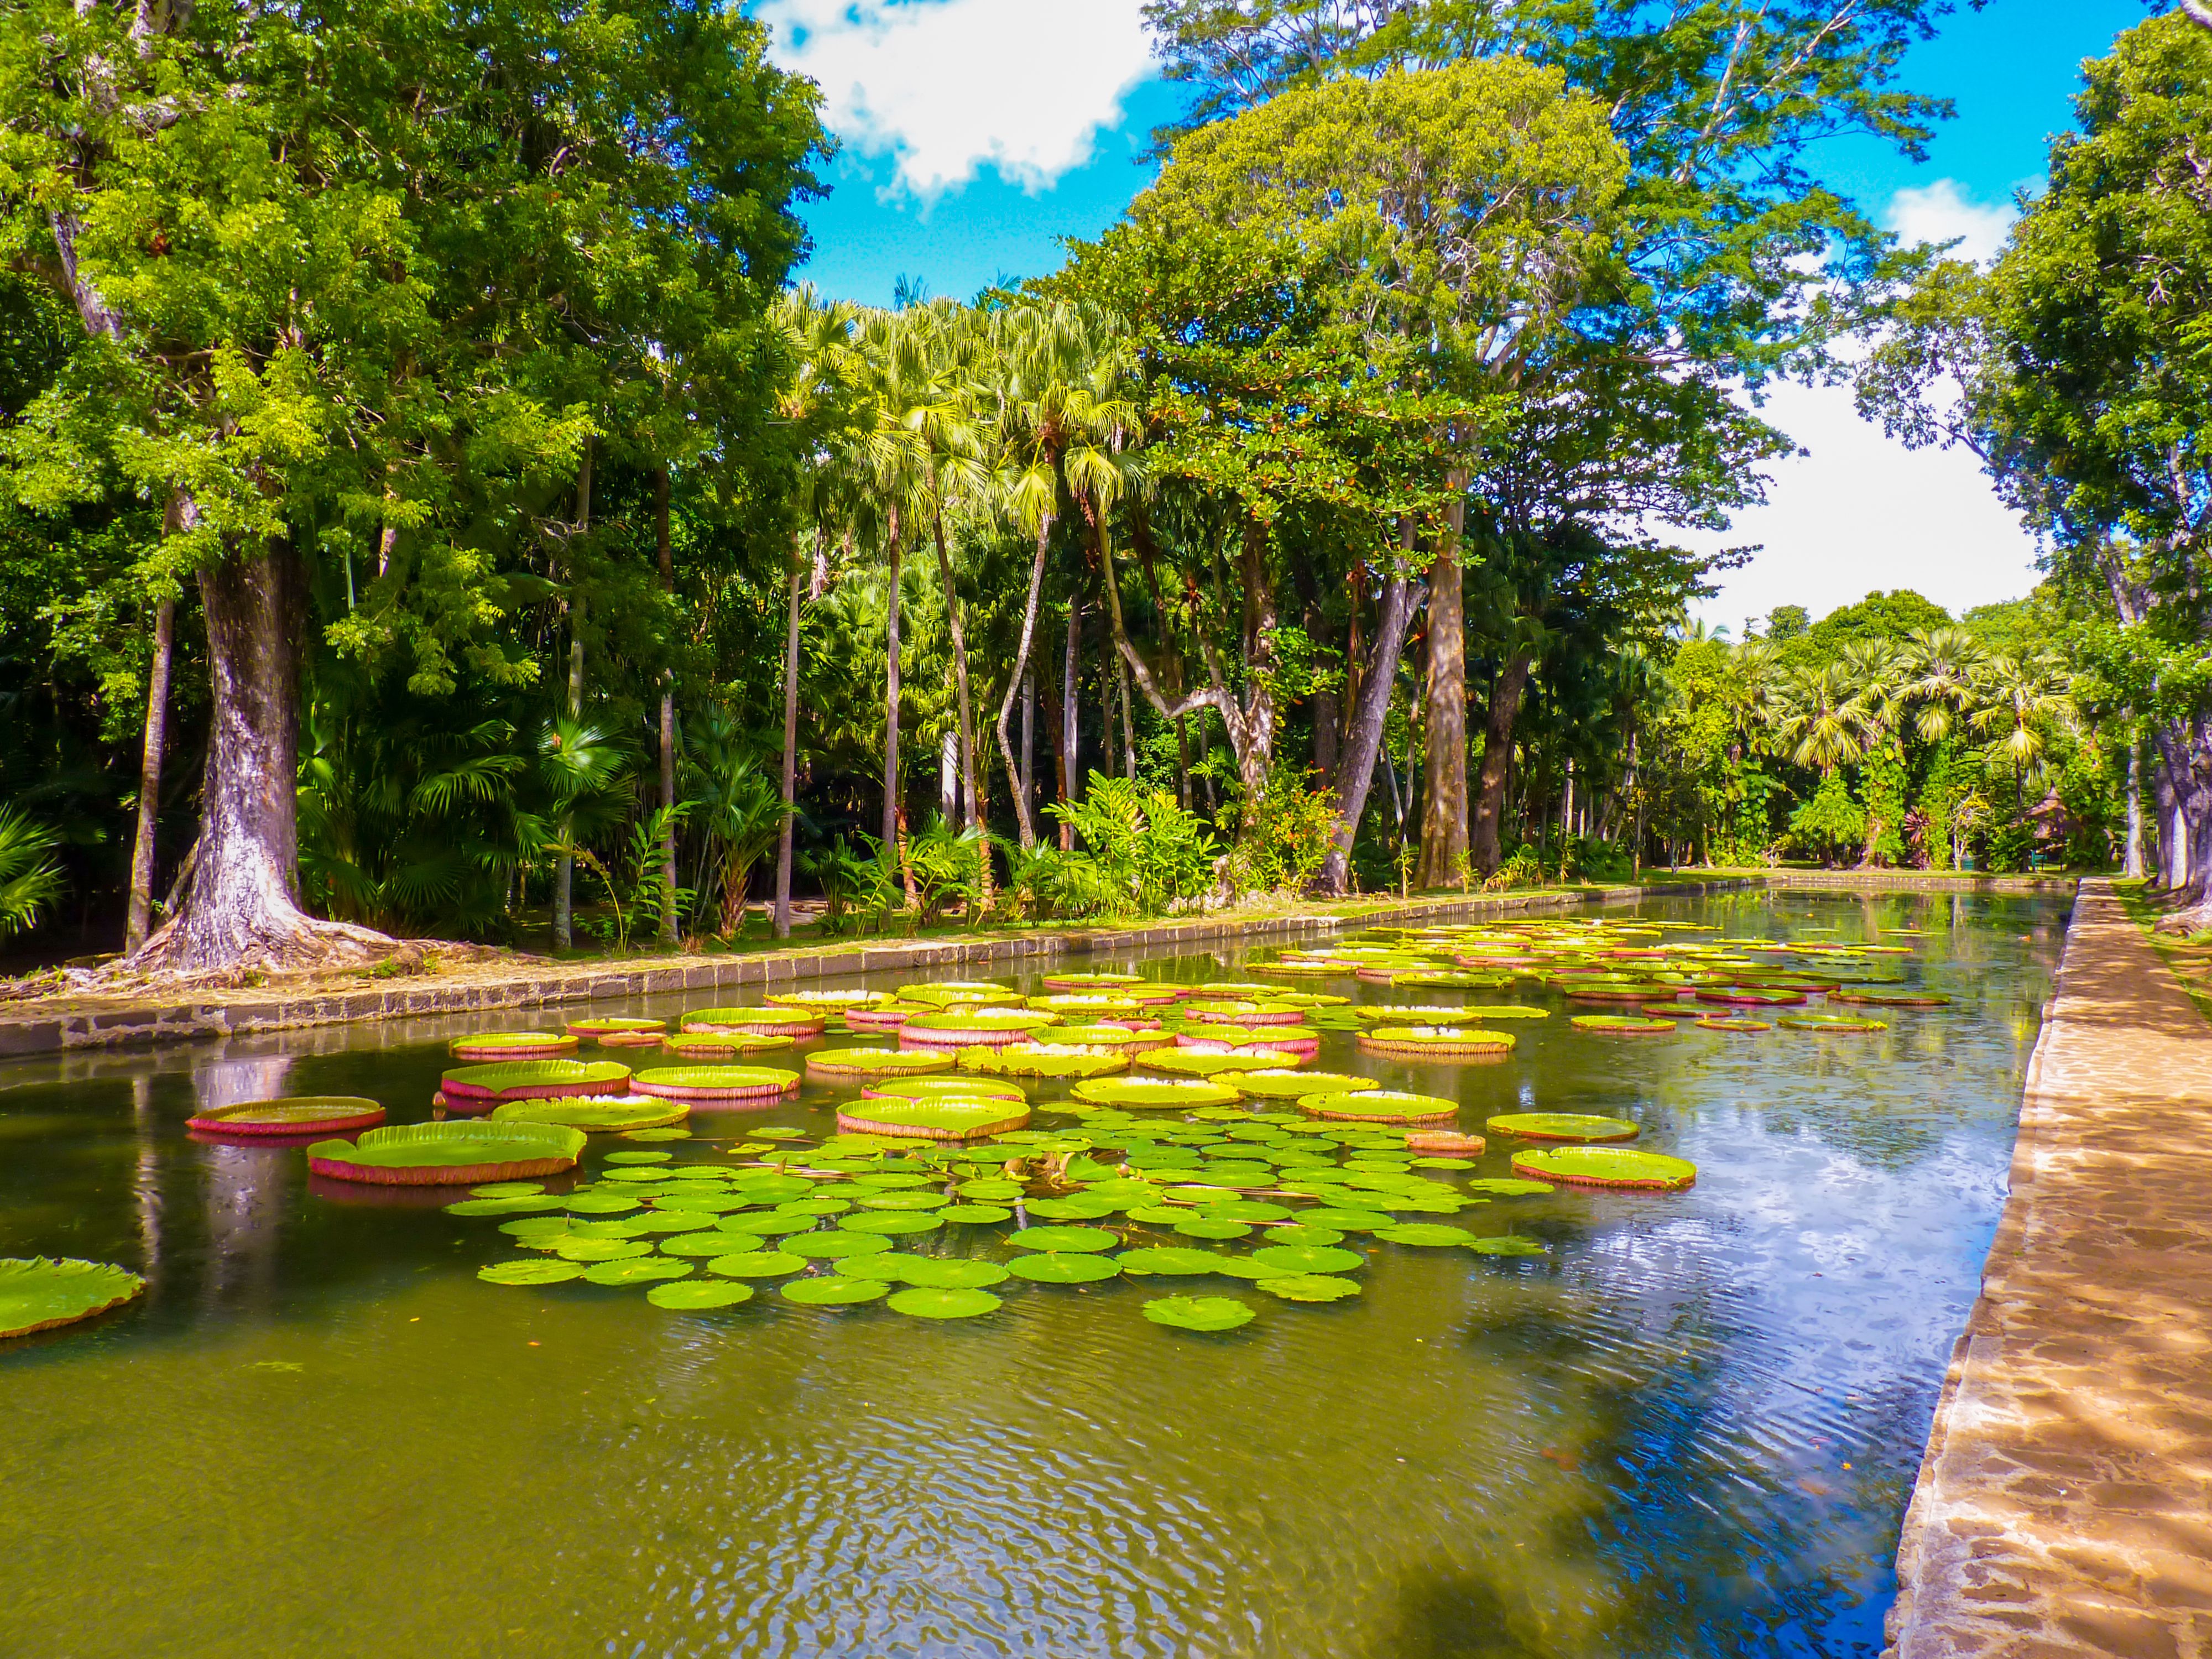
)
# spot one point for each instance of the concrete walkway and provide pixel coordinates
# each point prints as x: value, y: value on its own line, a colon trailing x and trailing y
x: 2064, y: 1506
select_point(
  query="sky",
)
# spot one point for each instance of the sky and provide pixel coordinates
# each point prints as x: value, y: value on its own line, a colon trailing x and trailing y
x: 974, y: 134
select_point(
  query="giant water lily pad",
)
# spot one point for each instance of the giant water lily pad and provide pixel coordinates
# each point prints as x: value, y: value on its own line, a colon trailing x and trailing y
x: 1307, y: 1287
x: 940, y: 1088
x: 1046, y: 1060
x: 706, y: 1083
x: 290, y: 1114
x: 1080, y: 1239
x: 448, y: 1154
x: 1058, y: 1268
x: 695, y: 1294
x: 599, y: 1113
x: 944, y: 1117
x: 1308, y: 1259
x: 1892, y: 999
x: 832, y: 1292
x: 40, y: 1293
x: 773, y: 1022
x: 1561, y: 1126
x: 1838, y: 1023
x: 848, y: 1064
x: 532, y: 1271
x: 1622, y: 1025
x: 927, y: 1303
x: 757, y: 1264
x: 1208, y: 1062
x: 1198, y: 1313
x: 1607, y: 1166
x: 1280, y: 1084
x: 1427, y: 1042
x: 515, y: 1045
x: 707, y: 1046
x: 531, y: 1079
x: 1380, y: 1106
x: 1155, y: 1093
x: 960, y: 1027
x: 828, y: 1002
x: 635, y: 1270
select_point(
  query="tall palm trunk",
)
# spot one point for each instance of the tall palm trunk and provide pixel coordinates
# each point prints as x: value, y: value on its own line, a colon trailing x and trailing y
x: 958, y: 631
x: 790, y: 757
x: 1022, y: 778
x: 667, y: 720
x: 1443, y: 822
x: 1069, y: 785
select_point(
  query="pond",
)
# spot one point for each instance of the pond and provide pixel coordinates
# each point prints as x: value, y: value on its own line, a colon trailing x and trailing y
x: 1690, y: 1427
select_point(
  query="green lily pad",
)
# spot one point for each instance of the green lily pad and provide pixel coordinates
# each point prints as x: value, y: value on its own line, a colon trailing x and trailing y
x: 946, y: 1117
x: 532, y: 1272
x: 639, y: 1270
x: 922, y: 1303
x: 1300, y: 1233
x: 1562, y: 1125
x: 658, y: 1132
x: 1280, y: 1083
x: 1607, y: 1166
x: 973, y: 1215
x: 515, y: 1079
x: 1205, y: 1226
x: 600, y: 1249
x: 536, y: 1227
x: 1082, y: 1208
x: 764, y: 1223
x: 1510, y: 1185
x: 1307, y: 1287
x: 1084, y: 1240
x: 934, y: 1272
x: 600, y: 1112
x: 1169, y: 1259
x: 714, y: 1243
x: 1507, y: 1244
x: 832, y: 1292
x: 1154, y: 1093
x: 838, y: 1065
x: 697, y: 1293
x: 1426, y: 1234
x: 508, y: 1189
x: 1345, y: 1219
x: 939, y: 1088
x: 504, y: 1205
x: 648, y: 1156
x: 830, y: 1245
x: 459, y: 1153
x: 595, y: 1203
x: 1309, y: 1259
x: 895, y: 1223
x: 1057, y: 1268
x: 757, y: 1264
x: 1380, y: 1106
x: 1198, y: 1313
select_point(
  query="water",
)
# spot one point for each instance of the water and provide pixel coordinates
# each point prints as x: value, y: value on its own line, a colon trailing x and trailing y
x: 1690, y: 1429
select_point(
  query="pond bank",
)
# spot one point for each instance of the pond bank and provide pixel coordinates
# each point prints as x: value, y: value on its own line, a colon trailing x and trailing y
x: 67, y: 1022
x: 2064, y: 1504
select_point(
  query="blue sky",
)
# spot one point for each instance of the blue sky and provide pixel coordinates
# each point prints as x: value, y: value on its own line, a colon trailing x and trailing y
x: 977, y: 133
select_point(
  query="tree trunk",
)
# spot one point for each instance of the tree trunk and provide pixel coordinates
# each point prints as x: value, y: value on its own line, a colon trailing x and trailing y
x: 959, y: 676
x: 1497, y: 760
x: 891, y: 814
x: 241, y: 911
x: 140, y: 916
x: 1254, y: 735
x: 2132, y: 859
x: 1070, y: 757
x: 790, y: 758
x: 1022, y: 781
x: 1443, y: 820
x: 1128, y: 723
x: 1356, y: 774
x: 667, y: 722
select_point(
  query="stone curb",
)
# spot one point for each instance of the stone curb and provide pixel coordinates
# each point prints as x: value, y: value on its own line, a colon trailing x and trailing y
x: 35, y: 1034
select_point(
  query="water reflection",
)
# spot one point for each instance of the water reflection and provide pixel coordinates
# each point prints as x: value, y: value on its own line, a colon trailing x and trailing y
x: 1688, y: 1430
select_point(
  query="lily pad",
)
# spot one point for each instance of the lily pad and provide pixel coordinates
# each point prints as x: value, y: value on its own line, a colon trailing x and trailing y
x: 1607, y: 1166
x: 1427, y: 1235
x: 1168, y: 1260
x: 1345, y: 1219
x: 946, y: 1117
x: 1307, y: 1287
x: 1430, y: 1042
x: 1304, y: 1233
x: 1155, y: 1093
x: 922, y: 1303
x: 846, y: 1064
x: 533, y: 1080
x: 1205, y: 1226
x: 1829, y: 1023
x: 1083, y: 1240
x: 293, y: 1115
x: 1562, y: 1125
x: 1309, y: 1259
x: 1380, y: 1106
x: 775, y: 1022
x: 1280, y: 1083
x: 716, y: 1082
x: 1046, y: 1060
x: 972, y: 1215
x: 708, y: 1047
x: 583, y: 1202
x: 1507, y: 1244
x: 635, y: 1270
x: 534, y: 1271
x: 1198, y: 1313
x: 1208, y: 1062
x: 1622, y: 1025
x: 575, y: 1248
x: 448, y: 1154
x: 935, y: 1088
x: 1058, y: 1267
x: 1734, y: 1024
x: 894, y: 1224
x: 831, y: 1292
x: 1510, y: 1185
x: 836, y: 1241
x: 39, y: 1293
x: 513, y: 1045
x: 757, y: 1264
x: 693, y: 1294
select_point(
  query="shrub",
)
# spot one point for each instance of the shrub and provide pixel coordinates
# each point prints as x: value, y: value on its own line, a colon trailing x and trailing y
x: 1287, y: 836
x: 1140, y: 855
x: 1831, y: 824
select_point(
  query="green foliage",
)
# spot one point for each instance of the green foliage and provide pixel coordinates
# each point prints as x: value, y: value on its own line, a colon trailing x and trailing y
x: 1140, y: 855
x: 1831, y: 824
x: 30, y: 880
x: 1286, y: 836
x: 1882, y: 788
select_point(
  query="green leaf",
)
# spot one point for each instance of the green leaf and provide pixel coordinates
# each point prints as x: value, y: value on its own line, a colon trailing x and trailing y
x: 830, y: 1245
x: 1307, y: 1287
x: 831, y: 1292
x: 1309, y: 1259
x: 1082, y: 1239
x: 640, y: 1270
x: 695, y: 1294
x: 955, y: 1303
x: 532, y: 1272
x: 757, y: 1264
x: 39, y: 1293
x: 1198, y: 1313
x: 1058, y: 1267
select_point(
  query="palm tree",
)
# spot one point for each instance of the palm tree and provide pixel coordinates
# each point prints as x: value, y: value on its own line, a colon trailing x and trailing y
x: 1823, y: 720
x: 1942, y: 663
x: 2023, y: 701
x: 1060, y: 371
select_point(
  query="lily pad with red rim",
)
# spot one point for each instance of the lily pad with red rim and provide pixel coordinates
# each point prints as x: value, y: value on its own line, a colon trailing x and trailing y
x: 1607, y: 1166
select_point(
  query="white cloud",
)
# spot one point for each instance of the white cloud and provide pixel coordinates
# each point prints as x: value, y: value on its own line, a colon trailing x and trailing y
x: 1857, y: 511
x: 944, y: 87
x: 1942, y: 211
